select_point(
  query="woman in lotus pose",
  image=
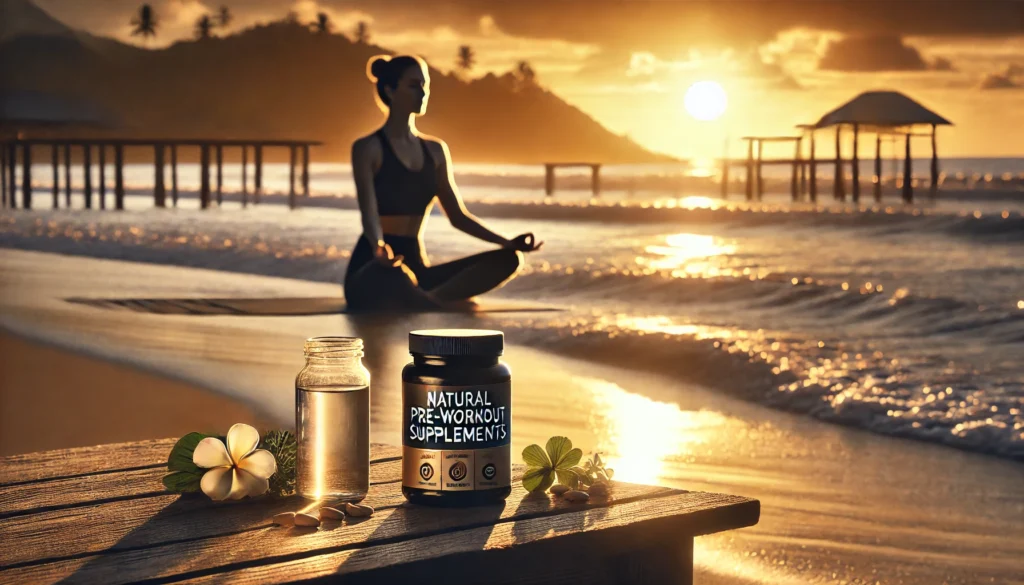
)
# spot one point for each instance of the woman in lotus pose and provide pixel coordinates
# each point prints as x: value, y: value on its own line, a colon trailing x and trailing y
x: 398, y: 172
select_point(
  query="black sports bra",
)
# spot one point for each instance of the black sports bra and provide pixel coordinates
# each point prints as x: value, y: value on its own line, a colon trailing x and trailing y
x: 399, y: 190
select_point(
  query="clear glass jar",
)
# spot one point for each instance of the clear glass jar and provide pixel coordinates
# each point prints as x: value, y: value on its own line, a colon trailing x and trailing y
x: 332, y: 421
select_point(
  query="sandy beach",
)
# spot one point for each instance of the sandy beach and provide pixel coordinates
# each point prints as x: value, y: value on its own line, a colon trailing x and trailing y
x: 52, y: 398
x: 839, y: 505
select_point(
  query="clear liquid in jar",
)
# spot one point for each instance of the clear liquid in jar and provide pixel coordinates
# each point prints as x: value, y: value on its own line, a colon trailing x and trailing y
x: 333, y: 431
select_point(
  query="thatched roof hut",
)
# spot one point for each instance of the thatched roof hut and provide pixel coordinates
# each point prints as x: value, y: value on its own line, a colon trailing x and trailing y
x: 874, y: 110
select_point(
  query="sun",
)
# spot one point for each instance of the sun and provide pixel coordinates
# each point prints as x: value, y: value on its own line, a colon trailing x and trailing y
x: 705, y: 100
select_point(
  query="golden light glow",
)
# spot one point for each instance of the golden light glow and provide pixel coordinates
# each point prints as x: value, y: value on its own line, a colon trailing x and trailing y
x: 702, y: 167
x: 705, y: 100
x: 640, y: 433
x: 320, y: 427
x: 684, y: 250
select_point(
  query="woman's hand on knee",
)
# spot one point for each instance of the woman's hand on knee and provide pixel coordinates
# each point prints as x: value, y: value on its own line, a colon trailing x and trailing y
x: 524, y: 243
x: 386, y: 256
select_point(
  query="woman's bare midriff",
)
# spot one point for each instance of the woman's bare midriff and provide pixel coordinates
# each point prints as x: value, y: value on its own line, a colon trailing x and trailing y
x: 401, y: 225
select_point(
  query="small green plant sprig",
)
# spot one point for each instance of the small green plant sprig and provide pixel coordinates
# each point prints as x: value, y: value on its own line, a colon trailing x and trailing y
x: 184, y: 476
x: 558, y: 460
x: 592, y: 471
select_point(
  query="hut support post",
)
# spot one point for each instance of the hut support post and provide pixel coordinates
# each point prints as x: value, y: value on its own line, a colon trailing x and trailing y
x: 760, y: 178
x: 794, y: 183
x: 878, y: 168
x: 204, y: 176
x: 119, y: 177
x: 838, y: 180
x: 813, y: 172
x: 102, y: 164
x: 174, y: 175
x: 67, y: 175
x: 934, y: 189
x: 87, y: 174
x: 3, y: 173
x: 220, y: 175
x: 26, y: 175
x: 750, y: 170
x: 245, y: 177
x: 55, y: 166
x: 12, y: 164
x: 159, y: 189
x: 258, y: 173
x: 855, y: 164
x: 305, y: 170
x: 725, y: 176
x: 549, y: 180
x: 291, y: 177
x: 908, y: 174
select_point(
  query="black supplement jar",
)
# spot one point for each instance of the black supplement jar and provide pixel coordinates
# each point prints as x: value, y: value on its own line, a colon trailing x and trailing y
x: 456, y: 419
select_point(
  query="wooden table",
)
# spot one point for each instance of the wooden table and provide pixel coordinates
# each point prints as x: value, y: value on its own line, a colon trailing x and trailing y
x: 101, y: 515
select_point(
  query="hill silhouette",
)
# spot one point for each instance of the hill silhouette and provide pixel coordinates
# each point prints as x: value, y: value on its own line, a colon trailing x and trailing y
x: 283, y: 81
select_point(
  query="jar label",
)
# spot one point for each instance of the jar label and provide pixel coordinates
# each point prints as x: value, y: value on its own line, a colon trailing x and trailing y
x: 457, y: 438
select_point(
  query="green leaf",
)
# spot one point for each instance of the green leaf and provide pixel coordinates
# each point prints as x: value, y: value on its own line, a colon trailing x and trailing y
x: 182, y: 482
x: 567, y: 477
x: 558, y: 448
x: 534, y: 456
x: 609, y: 472
x: 571, y: 458
x: 180, y: 458
x: 538, y: 479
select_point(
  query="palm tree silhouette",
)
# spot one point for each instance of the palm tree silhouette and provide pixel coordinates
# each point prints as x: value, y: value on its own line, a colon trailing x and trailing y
x: 467, y: 58
x: 204, y: 27
x: 224, y: 16
x: 525, y: 73
x: 145, y: 22
x: 323, y: 23
x: 362, y: 33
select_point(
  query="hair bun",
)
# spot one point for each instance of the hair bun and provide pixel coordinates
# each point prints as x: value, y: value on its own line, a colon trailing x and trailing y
x: 379, y: 66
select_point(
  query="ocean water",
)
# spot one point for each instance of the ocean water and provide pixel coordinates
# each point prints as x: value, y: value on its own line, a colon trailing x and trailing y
x: 902, y: 321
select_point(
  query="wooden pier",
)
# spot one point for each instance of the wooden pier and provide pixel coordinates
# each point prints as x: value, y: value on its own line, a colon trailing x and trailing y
x: 22, y: 150
x: 549, y: 176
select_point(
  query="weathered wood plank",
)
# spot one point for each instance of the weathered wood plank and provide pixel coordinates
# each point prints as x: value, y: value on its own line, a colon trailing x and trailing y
x: 96, y: 527
x: 82, y: 460
x: 247, y: 536
x: 141, y: 522
x: 593, y: 537
x: 35, y: 497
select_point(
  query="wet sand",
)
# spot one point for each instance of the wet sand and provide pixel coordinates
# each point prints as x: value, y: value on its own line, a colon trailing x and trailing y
x: 839, y: 505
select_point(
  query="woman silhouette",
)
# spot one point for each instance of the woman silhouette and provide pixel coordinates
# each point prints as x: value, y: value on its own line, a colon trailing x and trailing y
x: 398, y: 172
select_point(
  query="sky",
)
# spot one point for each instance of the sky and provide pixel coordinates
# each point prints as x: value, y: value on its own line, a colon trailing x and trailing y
x: 629, y: 63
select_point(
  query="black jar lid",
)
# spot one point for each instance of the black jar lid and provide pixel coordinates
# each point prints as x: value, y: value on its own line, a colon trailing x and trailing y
x: 457, y: 342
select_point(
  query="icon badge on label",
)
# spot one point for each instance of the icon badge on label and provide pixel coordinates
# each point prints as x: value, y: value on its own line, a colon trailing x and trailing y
x: 489, y: 471
x: 426, y: 471
x: 457, y: 471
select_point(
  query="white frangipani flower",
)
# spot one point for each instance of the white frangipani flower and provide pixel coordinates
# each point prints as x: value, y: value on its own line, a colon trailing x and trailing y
x: 236, y: 470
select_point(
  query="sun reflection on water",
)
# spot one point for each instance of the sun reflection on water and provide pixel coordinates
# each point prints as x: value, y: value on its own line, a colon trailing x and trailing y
x: 695, y: 254
x: 637, y: 435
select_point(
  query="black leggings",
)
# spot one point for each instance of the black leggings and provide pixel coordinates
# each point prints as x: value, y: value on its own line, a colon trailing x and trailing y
x: 368, y: 288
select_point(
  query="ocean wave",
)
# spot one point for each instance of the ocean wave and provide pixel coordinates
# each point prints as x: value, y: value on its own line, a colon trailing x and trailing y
x: 829, y: 381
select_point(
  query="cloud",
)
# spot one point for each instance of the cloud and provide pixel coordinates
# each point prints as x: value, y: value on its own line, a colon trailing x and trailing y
x: 871, y: 53
x: 942, y: 64
x: 1009, y: 78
